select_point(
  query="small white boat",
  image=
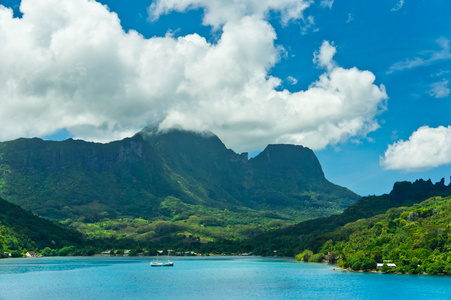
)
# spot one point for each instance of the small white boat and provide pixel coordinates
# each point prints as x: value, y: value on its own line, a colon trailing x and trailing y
x: 161, y: 264
x: 157, y: 263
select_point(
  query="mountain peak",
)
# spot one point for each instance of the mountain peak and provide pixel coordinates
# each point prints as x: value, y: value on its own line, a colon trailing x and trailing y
x: 289, y: 157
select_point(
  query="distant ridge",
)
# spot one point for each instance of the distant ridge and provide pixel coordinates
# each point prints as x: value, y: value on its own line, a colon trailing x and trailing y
x: 313, y: 234
x: 411, y: 192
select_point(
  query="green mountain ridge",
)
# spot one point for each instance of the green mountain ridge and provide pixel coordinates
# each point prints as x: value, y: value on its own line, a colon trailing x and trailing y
x: 373, y: 227
x: 314, y: 234
x: 173, y: 176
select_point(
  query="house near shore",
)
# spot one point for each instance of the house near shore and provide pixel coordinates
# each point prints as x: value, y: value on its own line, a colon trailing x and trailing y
x: 31, y: 254
x: 390, y: 265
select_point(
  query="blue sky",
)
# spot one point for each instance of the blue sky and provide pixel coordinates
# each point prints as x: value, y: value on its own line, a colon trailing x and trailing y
x: 365, y: 84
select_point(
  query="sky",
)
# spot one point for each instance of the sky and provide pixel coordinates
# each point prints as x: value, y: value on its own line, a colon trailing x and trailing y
x: 365, y: 84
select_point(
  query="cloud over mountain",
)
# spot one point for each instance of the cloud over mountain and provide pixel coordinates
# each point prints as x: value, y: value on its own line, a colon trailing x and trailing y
x: 69, y: 64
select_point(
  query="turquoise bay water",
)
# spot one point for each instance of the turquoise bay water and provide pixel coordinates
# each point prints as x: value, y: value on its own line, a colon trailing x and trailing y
x: 204, y: 278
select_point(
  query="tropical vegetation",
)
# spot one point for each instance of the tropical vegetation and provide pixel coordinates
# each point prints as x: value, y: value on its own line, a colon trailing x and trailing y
x: 167, y: 185
x: 411, y: 240
x: 186, y: 192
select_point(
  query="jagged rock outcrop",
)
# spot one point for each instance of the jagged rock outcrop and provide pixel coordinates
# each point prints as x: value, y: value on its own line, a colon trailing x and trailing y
x: 412, y: 192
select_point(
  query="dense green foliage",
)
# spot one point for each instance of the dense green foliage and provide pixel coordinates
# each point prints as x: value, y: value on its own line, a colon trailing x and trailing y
x: 194, y: 222
x: 313, y: 234
x: 167, y: 184
x: 20, y: 231
x: 187, y: 192
x: 416, y: 239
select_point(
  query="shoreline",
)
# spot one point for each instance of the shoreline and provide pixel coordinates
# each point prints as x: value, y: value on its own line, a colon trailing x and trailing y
x: 335, y: 266
x: 393, y: 273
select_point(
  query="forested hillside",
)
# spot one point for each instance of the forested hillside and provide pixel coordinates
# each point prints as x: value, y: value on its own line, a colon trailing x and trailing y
x: 20, y: 231
x: 167, y: 185
x: 416, y: 239
x: 313, y: 234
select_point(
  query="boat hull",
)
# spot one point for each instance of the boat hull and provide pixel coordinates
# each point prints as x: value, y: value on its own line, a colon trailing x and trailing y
x: 158, y: 264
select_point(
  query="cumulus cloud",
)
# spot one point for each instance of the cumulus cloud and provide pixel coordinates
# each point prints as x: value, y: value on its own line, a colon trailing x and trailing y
x: 343, y: 103
x: 324, y: 57
x: 69, y: 65
x: 439, y: 89
x: 426, y: 148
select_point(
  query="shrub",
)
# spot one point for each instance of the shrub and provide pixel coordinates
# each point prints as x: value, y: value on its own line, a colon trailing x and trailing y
x: 47, y: 251
x: 362, y: 263
x: 343, y: 263
x: 304, y: 256
x: 317, y: 257
x: 436, y: 267
x: 16, y: 253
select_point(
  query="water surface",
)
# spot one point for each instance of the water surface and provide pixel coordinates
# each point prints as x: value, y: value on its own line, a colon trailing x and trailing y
x: 204, y: 278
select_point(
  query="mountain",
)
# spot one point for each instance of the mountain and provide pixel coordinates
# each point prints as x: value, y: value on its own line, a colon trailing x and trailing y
x: 56, y: 179
x: 167, y: 176
x: 291, y: 175
x: 20, y: 229
x: 282, y: 176
x: 314, y: 234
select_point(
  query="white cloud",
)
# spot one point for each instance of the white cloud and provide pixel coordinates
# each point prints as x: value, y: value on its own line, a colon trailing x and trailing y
x: 342, y: 104
x: 219, y: 12
x: 426, y: 148
x: 440, y: 73
x: 327, y: 3
x: 69, y: 64
x: 439, y: 89
x: 426, y: 59
x: 398, y: 6
x: 324, y: 57
x: 291, y: 80
x: 309, y: 24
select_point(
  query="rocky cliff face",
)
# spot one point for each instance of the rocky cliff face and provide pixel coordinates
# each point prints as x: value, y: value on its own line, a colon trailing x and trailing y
x: 289, y: 158
x: 407, y: 192
x: 133, y: 176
